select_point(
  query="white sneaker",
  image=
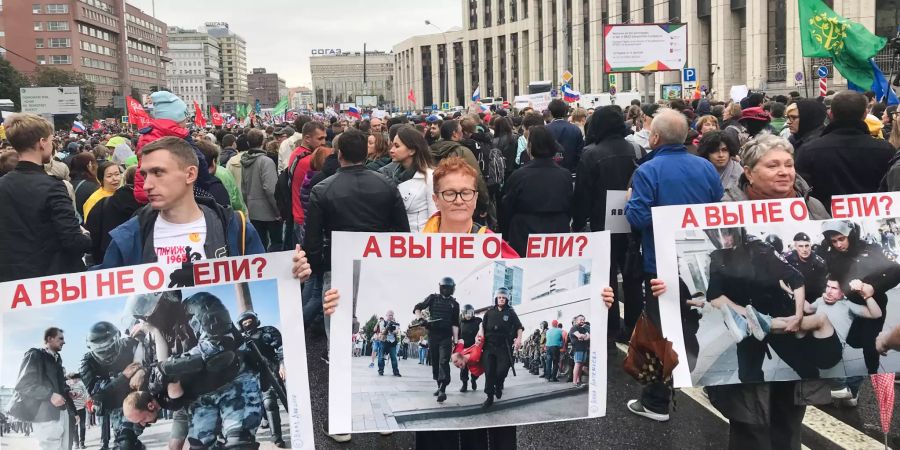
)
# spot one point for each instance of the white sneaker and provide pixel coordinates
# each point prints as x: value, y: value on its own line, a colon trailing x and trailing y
x: 852, y: 401
x: 385, y: 433
x: 841, y: 394
x: 736, y: 324
x: 340, y: 437
x: 636, y: 407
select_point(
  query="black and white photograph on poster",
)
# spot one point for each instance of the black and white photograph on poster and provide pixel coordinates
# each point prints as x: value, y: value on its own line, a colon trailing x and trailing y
x: 773, y: 297
x: 456, y: 342
x: 117, y: 359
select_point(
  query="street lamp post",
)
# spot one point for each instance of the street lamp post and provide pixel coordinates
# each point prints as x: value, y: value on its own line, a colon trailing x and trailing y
x: 444, y: 80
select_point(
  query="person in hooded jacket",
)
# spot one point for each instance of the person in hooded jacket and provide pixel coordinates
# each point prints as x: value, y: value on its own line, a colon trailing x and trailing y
x: 845, y: 159
x: 606, y: 165
x: 109, y: 213
x: 804, y: 122
x: 258, y: 179
x: 537, y: 198
x: 169, y: 119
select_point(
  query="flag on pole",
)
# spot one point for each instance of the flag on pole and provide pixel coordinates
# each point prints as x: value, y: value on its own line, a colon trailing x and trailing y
x: 231, y: 121
x: 412, y: 96
x: 825, y: 34
x: 281, y: 107
x: 136, y: 113
x: 476, y: 96
x: 78, y: 127
x: 199, y: 120
x: 570, y: 95
x: 216, y: 117
x: 353, y: 112
x: 880, y: 86
x: 96, y: 125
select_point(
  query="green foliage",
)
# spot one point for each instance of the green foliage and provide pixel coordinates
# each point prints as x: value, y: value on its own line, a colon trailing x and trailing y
x: 369, y: 327
x: 10, y: 82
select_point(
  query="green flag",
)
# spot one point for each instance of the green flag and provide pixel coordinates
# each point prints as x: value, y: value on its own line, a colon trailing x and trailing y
x: 241, y: 111
x: 825, y: 34
x: 281, y: 106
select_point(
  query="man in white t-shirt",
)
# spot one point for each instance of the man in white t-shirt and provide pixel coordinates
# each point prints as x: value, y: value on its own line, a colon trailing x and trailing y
x: 177, y: 227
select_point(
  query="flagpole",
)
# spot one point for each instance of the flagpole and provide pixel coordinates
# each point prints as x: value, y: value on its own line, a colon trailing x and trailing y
x: 806, y: 77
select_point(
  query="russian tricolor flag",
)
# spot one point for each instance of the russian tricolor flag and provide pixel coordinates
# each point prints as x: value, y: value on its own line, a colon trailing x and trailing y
x: 476, y: 96
x: 353, y: 112
x: 78, y: 127
x: 569, y: 94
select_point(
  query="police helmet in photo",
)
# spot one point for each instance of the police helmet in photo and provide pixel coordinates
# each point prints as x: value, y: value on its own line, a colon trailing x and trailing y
x: 208, y: 316
x: 502, y: 291
x: 248, y: 315
x: 104, y: 342
x: 720, y: 236
x: 447, y: 286
x: 775, y: 242
x: 468, y: 311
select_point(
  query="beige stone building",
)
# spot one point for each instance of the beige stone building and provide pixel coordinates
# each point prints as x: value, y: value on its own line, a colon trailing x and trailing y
x: 338, y: 78
x: 506, y: 44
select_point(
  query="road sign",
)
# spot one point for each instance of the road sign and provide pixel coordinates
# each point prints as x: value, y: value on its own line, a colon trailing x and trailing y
x: 567, y: 76
x: 822, y: 72
x: 554, y: 92
x: 799, y: 76
x: 612, y: 79
x: 445, y: 105
x: 690, y: 75
x: 51, y: 100
x: 823, y: 86
x: 434, y: 106
x: 612, y: 90
x: 124, y: 119
x: 704, y: 88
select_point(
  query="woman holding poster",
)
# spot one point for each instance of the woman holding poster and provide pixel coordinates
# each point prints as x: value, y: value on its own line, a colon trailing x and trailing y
x: 761, y: 415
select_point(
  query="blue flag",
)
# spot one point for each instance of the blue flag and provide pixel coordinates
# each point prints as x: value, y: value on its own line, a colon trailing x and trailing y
x: 880, y: 86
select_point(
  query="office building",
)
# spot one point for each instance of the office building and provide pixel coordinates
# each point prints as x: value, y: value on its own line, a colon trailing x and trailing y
x: 194, y: 73
x: 339, y: 78
x: 265, y: 87
x: 233, y: 60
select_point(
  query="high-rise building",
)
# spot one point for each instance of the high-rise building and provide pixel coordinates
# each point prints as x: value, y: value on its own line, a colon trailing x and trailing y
x: 338, y: 78
x: 195, y: 68
x: 265, y: 87
x: 114, y: 44
x: 504, y: 46
x: 233, y: 57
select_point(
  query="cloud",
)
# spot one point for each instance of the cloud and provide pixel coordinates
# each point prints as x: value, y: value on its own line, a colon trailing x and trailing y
x: 280, y: 34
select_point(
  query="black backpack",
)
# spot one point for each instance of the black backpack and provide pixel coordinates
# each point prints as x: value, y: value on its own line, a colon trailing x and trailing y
x: 283, y: 188
x: 493, y: 166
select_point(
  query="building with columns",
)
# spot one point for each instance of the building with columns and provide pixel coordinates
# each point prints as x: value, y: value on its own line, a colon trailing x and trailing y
x: 506, y: 44
x: 338, y: 78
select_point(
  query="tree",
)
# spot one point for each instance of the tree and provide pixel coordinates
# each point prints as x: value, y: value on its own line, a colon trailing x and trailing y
x: 11, y: 81
x: 50, y: 77
x: 136, y: 94
x: 369, y: 327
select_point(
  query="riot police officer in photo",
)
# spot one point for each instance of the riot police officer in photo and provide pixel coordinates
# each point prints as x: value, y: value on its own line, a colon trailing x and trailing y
x: 267, y: 341
x: 468, y: 330
x: 502, y: 332
x: 107, y: 370
x: 811, y: 265
x: 443, y: 331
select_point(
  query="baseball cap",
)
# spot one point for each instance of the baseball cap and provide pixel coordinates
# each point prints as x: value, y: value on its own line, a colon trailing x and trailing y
x: 284, y: 131
x: 837, y: 226
x: 432, y: 118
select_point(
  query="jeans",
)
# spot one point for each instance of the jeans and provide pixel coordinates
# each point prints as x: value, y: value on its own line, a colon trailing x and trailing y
x: 312, y: 301
x: 299, y: 233
x: 422, y: 352
x: 551, y: 367
x: 390, y: 349
x: 78, y: 431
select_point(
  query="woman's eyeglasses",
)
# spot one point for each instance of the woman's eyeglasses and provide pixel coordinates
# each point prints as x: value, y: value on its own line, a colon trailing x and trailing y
x: 450, y: 196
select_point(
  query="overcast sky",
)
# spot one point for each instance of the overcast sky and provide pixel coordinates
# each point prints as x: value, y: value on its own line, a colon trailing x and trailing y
x: 280, y: 35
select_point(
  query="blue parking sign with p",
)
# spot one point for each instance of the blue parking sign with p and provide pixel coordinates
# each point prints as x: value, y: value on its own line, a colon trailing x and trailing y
x: 690, y: 74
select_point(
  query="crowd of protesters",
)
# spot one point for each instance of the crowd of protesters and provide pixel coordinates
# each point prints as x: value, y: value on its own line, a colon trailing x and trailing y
x: 294, y: 183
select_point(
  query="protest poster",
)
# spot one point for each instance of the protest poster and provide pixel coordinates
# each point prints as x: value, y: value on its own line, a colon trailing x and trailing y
x: 162, y: 316
x: 746, y: 280
x: 388, y: 276
x: 616, y: 222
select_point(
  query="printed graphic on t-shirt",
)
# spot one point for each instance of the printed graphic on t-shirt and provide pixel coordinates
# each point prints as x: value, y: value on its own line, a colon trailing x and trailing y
x: 179, y: 243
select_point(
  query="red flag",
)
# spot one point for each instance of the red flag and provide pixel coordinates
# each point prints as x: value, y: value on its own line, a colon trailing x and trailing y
x: 136, y: 113
x: 216, y: 117
x: 96, y: 125
x: 412, y: 96
x: 199, y: 120
x: 883, y: 385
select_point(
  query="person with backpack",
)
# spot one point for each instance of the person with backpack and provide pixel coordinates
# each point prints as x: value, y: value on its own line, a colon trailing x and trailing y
x: 290, y: 180
x: 537, y: 198
x: 506, y: 141
x: 83, y: 173
x: 752, y: 121
x: 258, y: 186
x: 566, y: 134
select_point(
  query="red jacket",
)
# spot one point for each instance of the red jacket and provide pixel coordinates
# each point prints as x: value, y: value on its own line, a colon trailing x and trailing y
x: 474, y: 354
x: 159, y: 128
x: 297, y: 181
